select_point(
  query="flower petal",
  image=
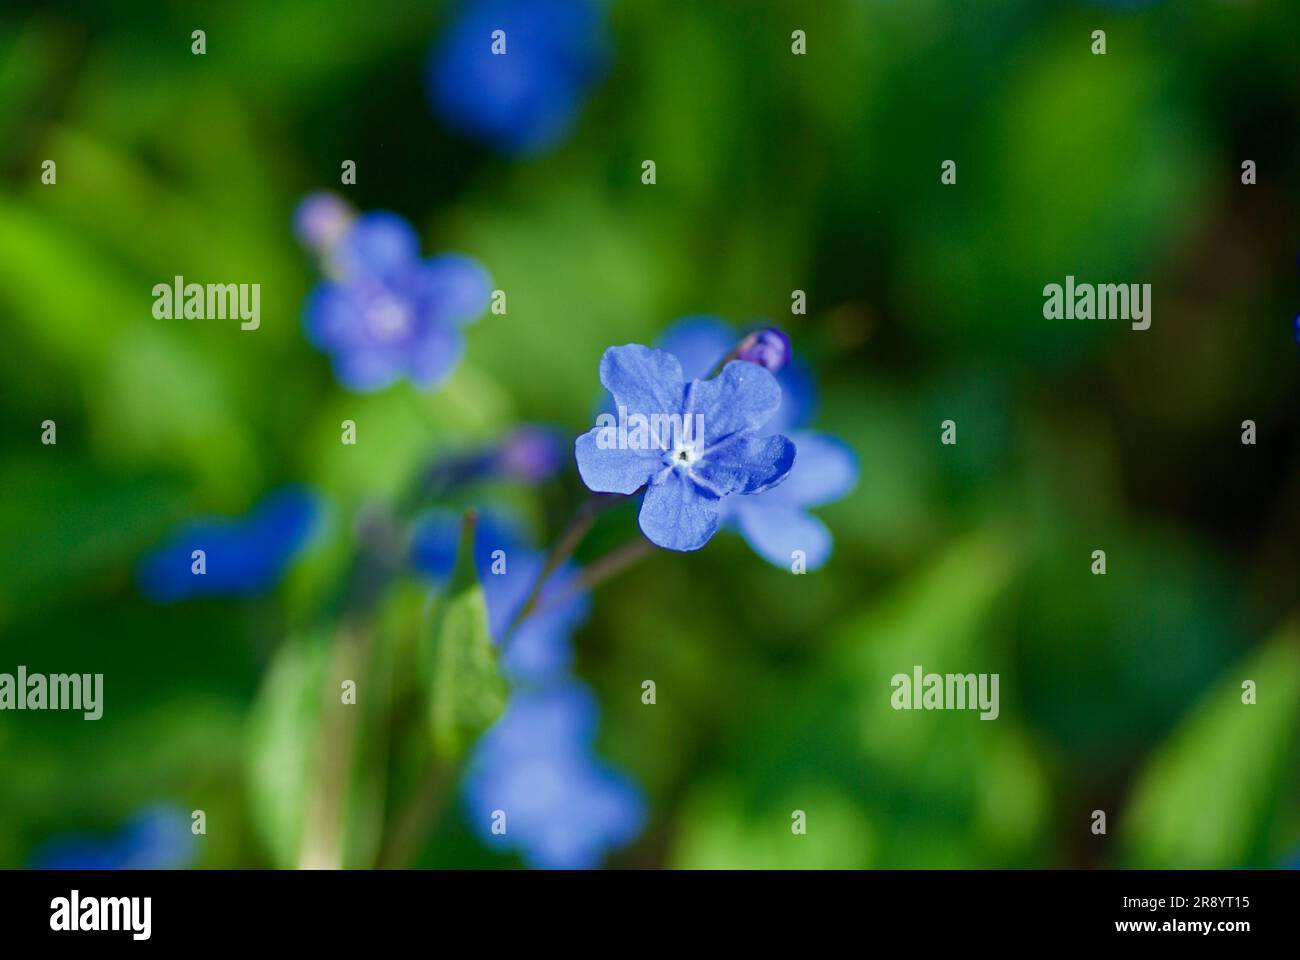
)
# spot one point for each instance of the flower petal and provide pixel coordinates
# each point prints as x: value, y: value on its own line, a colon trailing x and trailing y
x: 378, y: 244
x: 825, y: 470
x: 539, y: 651
x: 452, y: 287
x: 698, y: 342
x: 367, y: 368
x: 775, y: 531
x: 676, y: 515
x: 742, y: 397
x: 798, y: 398
x: 612, y: 470
x: 332, y: 316
x: 435, y: 355
x: 745, y: 464
x: 643, y: 380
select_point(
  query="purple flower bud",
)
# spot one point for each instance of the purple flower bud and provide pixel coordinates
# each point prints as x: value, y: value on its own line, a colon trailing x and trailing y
x: 321, y: 219
x: 769, y: 348
x: 531, y: 454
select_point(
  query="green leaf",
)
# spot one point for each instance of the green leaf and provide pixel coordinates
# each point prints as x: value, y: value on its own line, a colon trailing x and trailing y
x: 1213, y: 795
x: 284, y: 733
x: 465, y: 687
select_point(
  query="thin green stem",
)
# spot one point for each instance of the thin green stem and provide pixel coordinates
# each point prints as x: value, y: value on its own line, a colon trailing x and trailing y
x: 416, y: 819
x: 562, y: 551
x: 600, y: 571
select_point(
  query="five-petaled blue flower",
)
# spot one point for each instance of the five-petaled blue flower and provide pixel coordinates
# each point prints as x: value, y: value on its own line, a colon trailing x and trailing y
x: 692, y: 445
x: 776, y: 522
x: 513, y: 73
x: 564, y: 807
x: 155, y: 838
x: 240, y: 557
x: 390, y: 314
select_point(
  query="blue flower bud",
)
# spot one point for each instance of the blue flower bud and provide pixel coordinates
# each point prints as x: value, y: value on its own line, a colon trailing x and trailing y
x: 321, y: 219
x: 769, y: 348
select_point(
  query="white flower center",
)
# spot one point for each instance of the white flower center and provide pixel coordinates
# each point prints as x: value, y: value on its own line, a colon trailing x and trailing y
x: 389, y: 319
x: 685, y: 455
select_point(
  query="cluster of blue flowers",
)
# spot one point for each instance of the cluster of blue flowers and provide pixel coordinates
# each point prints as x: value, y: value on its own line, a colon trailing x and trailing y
x: 514, y: 74
x: 565, y: 808
x: 156, y: 838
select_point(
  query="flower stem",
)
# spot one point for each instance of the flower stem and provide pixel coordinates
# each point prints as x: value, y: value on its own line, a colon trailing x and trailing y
x: 603, y: 569
x: 412, y: 826
x: 562, y: 551
x: 615, y: 562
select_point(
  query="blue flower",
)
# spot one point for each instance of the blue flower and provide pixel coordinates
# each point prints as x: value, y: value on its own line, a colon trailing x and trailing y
x: 390, y: 314
x: 540, y: 648
x: 525, y: 100
x: 564, y: 808
x: 692, y: 445
x: 156, y: 838
x: 776, y: 522
x: 530, y: 454
x: 241, y: 557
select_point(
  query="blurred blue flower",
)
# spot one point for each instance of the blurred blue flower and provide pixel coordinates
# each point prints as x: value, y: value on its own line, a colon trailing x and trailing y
x: 531, y: 453
x: 390, y: 314
x: 776, y: 522
x: 564, y: 808
x: 155, y: 838
x: 525, y: 100
x: 710, y: 453
x: 508, y: 567
x: 242, y: 557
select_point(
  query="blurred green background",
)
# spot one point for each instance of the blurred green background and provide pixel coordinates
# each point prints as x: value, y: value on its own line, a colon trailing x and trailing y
x: 775, y: 173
